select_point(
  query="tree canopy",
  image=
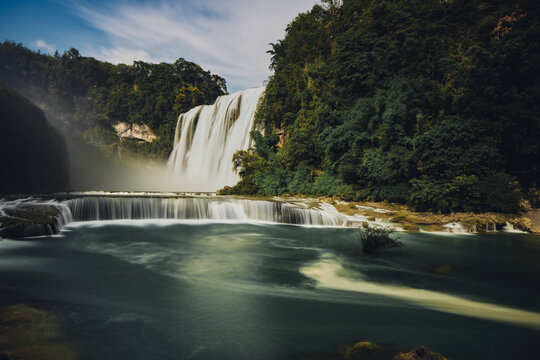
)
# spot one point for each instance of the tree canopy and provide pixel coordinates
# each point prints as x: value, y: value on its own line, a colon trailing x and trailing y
x: 88, y: 96
x: 427, y: 102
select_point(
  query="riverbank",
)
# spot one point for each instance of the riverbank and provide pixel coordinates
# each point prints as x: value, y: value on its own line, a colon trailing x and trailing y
x: 416, y: 221
x: 45, y: 215
x: 408, y: 220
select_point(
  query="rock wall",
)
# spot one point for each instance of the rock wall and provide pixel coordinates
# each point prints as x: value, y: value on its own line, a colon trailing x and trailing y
x: 134, y: 131
x: 33, y: 154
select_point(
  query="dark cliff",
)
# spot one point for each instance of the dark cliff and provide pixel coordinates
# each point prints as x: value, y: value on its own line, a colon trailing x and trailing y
x: 33, y: 154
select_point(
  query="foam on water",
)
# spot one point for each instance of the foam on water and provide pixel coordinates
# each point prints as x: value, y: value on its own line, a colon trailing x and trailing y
x: 330, y: 274
x: 510, y: 228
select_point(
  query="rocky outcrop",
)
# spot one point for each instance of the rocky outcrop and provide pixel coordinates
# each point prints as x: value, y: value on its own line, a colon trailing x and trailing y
x: 534, y: 218
x: 464, y: 222
x: 26, y: 218
x: 33, y: 154
x: 139, y: 132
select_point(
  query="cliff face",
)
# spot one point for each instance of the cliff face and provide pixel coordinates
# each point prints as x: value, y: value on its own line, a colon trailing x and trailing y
x: 139, y: 132
x: 33, y: 154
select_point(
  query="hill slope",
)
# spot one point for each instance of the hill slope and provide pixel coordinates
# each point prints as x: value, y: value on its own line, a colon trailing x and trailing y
x: 426, y: 102
x: 85, y: 98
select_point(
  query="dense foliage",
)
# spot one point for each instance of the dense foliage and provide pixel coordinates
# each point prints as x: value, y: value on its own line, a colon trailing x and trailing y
x: 33, y: 154
x: 376, y: 238
x: 427, y: 102
x: 89, y: 96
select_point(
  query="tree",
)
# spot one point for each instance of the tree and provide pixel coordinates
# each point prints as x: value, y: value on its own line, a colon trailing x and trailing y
x: 376, y: 238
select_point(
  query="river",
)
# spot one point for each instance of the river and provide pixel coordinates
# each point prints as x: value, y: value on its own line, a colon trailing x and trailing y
x: 191, y: 289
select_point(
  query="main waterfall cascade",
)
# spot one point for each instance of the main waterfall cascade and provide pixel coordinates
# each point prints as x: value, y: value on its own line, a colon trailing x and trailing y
x: 206, y: 139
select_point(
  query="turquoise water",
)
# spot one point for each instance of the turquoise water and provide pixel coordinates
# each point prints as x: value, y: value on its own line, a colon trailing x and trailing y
x: 199, y: 290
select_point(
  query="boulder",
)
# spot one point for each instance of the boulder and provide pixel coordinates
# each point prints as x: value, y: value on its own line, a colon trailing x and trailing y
x: 22, y: 219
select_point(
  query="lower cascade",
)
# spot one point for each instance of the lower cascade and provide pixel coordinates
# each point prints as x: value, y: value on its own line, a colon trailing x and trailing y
x: 36, y: 217
x: 206, y: 139
x: 202, y: 208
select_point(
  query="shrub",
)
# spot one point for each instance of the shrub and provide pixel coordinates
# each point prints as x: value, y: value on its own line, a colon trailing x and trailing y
x: 376, y: 238
x: 327, y: 185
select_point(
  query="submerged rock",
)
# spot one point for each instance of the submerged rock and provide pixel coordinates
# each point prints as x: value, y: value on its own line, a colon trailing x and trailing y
x: 407, y: 226
x: 365, y: 350
x: 443, y: 269
x: 420, y: 353
x: 29, y: 333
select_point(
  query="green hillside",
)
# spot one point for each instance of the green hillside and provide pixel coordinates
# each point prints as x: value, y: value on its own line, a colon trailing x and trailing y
x: 85, y: 97
x: 426, y: 102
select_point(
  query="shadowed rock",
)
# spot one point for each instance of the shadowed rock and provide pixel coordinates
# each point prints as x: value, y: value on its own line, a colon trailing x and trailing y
x: 21, y: 219
x: 33, y: 154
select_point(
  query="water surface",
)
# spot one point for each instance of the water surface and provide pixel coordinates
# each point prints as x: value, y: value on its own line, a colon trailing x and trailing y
x: 200, y: 290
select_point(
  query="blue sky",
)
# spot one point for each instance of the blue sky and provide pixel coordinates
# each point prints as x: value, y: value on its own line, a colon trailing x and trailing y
x: 227, y: 37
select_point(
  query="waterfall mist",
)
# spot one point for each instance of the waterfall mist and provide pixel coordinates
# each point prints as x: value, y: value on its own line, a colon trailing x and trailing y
x: 90, y: 169
x: 206, y: 139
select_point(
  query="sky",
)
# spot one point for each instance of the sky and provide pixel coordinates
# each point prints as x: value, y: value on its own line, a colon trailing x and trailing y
x: 227, y: 37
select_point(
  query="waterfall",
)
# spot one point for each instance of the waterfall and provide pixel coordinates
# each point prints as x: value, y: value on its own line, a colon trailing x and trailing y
x: 47, y: 217
x: 201, y: 208
x: 206, y: 138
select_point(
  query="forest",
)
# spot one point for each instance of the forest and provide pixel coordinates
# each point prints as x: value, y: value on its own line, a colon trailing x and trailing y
x: 430, y: 103
x: 85, y: 97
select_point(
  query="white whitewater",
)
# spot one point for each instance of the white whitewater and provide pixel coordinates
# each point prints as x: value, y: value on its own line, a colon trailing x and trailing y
x: 206, y: 139
x: 330, y: 274
x: 203, y: 208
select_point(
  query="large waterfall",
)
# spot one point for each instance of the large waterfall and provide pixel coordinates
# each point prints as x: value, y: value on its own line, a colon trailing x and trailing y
x: 206, y: 138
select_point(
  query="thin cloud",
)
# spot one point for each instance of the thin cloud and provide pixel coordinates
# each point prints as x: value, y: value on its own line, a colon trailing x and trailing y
x: 121, y: 55
x: 42, y: 45
x: 227, y: 37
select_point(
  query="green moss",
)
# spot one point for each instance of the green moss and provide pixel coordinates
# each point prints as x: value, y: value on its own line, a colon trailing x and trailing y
x: 29, y: 333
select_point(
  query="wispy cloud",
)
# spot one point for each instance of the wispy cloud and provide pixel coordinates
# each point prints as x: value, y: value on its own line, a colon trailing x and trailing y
x: 227, y: 37
x: 42, y: 45
x: 122, y: 55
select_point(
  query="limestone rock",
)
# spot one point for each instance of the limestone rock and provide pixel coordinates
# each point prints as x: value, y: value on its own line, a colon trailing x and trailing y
x: 134, y: 131
x: 21, y: 219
